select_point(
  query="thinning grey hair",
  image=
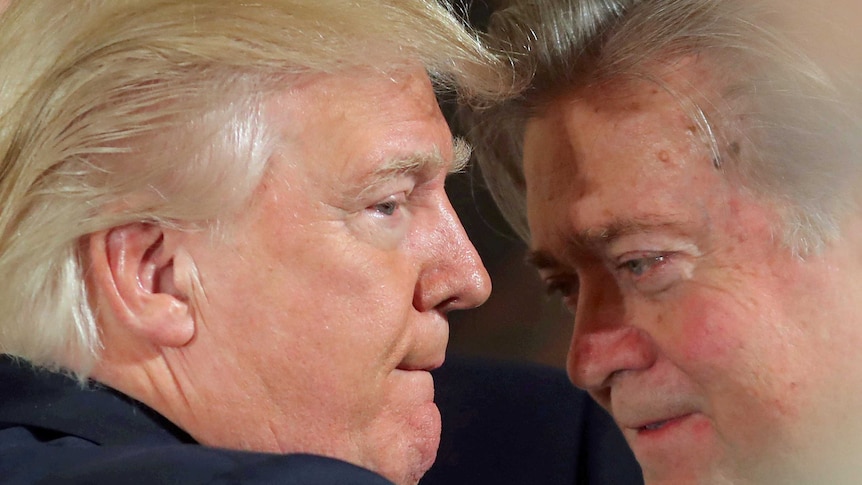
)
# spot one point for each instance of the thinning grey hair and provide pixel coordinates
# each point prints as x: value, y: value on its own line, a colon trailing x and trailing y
x: 122, y: 111
x: 800, y: 132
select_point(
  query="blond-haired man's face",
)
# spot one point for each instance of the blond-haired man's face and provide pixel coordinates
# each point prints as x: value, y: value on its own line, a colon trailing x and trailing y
x: 326, y: 301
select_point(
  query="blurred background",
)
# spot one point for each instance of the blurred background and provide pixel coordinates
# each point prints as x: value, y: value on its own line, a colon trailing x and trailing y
x: 519, y: 322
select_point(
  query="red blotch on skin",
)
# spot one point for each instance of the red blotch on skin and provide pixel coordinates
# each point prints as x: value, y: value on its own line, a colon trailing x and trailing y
x: 702, y: 427
x: 705, y: 331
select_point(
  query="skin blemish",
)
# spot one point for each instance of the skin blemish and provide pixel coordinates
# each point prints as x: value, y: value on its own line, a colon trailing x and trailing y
x: 734, y: 148
x: 663, y: 156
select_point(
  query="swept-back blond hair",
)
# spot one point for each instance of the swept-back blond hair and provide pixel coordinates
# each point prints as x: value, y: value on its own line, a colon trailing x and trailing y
x: 120, y: 111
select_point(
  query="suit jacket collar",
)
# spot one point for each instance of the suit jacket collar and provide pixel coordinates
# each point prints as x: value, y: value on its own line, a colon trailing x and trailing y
x: 56, y: 402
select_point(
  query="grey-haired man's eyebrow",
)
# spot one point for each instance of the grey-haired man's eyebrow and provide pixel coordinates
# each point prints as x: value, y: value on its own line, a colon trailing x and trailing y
x: 598, y: 238
x: 541, y: 259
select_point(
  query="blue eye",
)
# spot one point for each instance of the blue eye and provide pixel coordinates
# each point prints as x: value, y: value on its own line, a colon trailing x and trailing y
x: 387, y: 207
x: 651, y: 274
x: 390, y: 206
x: 639, y: 266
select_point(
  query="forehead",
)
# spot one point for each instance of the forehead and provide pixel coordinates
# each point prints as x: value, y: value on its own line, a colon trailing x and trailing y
x: 621, y: 136
x: 352, y: 121
x: 351, y: 91
x: 623, y: 152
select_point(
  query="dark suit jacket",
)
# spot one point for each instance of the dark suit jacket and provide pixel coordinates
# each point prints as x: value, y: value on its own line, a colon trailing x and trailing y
x: 54, y: 431
x: 518, y: 424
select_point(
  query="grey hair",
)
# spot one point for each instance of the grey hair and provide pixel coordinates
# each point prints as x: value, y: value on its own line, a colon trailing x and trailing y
x: 801, y: 139
x: 122, y: 111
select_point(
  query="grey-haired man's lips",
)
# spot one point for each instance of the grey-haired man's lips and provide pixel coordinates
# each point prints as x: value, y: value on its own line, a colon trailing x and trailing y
x: 661, y: 424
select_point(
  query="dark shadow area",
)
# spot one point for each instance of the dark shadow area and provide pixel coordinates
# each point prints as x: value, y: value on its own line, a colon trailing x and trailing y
x: 519, y: 322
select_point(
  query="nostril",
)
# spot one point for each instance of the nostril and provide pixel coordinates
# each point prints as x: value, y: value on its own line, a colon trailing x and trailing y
x: 424, y: 301
x: 448, y: 305
x: 602, y: 396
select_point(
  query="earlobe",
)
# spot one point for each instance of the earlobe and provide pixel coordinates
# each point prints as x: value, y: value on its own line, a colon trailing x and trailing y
x: 134, y: 273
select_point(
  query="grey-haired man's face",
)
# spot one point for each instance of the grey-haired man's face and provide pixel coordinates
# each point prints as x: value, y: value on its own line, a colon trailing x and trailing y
x: 721, y: 356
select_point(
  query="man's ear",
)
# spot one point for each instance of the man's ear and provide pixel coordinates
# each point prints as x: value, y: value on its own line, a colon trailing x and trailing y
x: 132, y: 267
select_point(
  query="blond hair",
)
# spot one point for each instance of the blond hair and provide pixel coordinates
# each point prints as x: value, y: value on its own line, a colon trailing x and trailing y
x: 780, y: 123
x: 121, y: 111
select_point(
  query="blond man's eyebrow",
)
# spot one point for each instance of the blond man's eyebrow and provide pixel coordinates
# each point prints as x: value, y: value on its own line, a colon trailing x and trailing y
x: 424, y: 162
x: 461, y: 151
x: 420, y: 165
x: 416, y: 163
